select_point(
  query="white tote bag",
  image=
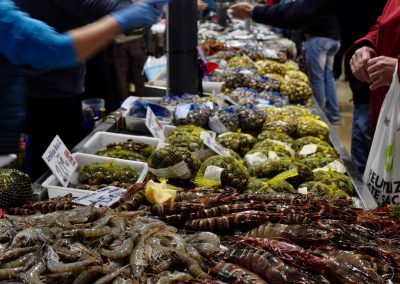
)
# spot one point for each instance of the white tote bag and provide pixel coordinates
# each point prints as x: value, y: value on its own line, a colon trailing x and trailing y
x: 382, y: 173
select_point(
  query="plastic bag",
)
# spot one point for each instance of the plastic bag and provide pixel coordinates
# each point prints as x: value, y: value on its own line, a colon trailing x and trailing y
x: 154, y: 67
x: 382, y: 173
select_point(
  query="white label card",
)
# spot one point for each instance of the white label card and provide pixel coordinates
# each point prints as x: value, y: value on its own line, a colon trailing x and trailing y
x: 214, y: 145
x: 303, y: 190
x: 182, y: 111
x: 60, y: 161
x: 308, y: 149
x: 213, y: 173
x: 153, y: 124
x: 106, y: 196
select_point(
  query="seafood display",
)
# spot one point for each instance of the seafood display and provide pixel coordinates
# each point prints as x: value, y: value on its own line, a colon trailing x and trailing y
x: 262, y: 238
x: 128, y: 150
x: 98, y: 175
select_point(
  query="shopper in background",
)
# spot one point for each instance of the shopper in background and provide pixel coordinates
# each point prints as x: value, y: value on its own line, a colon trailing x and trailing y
x: 25, y: 41
x: 377, y: 54
x: 353, y: 24
x: 321, y: 46
x: 129, y: 53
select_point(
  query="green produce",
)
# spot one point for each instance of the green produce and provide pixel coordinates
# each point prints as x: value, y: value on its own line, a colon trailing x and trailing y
x: 273, y: 135
x: 128, y: 150
x: 315, y: 163
x: 284, y: 125
x: 15, y: 188
x: 168, y: 157
x: 308, y: 126
x: 297, y: 172
x: 299, y: 143
x: 222, y: 171
x: 336, y: 180
x: 297, y: 91
x: 241, y: 143
x: 296, y: 75
x: 98, y: 175
x: 269, y: 186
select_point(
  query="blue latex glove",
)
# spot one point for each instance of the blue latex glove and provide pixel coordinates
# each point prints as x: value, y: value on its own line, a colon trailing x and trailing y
x: 139, y: 14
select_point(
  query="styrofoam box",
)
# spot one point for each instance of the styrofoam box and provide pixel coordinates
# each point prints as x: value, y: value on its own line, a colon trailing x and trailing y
x: 55, y: 189
x: 100, y: 140
x: 168, y: 128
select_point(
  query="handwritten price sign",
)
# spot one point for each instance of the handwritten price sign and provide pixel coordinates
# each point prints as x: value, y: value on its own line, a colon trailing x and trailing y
x: 106, y: 196
x: 153, y: 124
x: 60, y: 161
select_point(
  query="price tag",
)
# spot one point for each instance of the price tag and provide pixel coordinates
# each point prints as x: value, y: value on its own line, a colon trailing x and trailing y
x: 213, y: 173
x: 154, y: 125
x: 303, y: 190
x: 214, y: 145
x: 60, y: 161
x: 106, y: 196
x: 308, y: 149
x: 182, y: 111
x: 255, y: 158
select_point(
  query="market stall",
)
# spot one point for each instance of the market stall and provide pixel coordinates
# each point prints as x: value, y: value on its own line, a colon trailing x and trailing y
x: 246, y: 184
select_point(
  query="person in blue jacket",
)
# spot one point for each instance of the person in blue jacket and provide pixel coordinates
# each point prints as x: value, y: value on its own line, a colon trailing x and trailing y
x: 48, y: 90
x: 25, y: 41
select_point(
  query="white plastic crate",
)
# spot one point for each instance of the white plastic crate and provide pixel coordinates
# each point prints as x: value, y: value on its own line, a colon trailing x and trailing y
x: 55, y: 189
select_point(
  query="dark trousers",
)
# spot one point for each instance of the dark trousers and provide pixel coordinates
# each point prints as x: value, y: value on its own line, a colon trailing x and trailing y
x: 47, y: 118
x: 129, y: 59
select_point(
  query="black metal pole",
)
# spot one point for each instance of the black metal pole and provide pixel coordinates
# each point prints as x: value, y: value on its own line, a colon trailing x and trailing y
x: 181, y: 47
x: 222, y: 16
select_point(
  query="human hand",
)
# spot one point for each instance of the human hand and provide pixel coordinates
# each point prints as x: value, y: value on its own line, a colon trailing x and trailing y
x: 139, y: 14
x: 241, y: 11
x: 380, y: 70
x: 201, y: 6
x: 358, y: 63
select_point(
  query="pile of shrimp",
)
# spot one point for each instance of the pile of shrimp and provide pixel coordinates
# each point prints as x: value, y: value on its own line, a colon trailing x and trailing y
x: 100, y: 245
x: 224, y: 212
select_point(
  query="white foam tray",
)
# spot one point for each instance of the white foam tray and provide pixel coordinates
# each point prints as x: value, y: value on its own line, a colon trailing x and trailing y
x: 55, y: 189
x: 100, y: 140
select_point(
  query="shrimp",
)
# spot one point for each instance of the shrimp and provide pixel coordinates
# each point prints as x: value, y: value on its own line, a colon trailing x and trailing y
x: 55, y: 266
x: 137, y: 258
x: 167, y: 277
x: 19, y: 261
x: 87, y: 277
x: 271, y: 268
x: 10, y: 273
x: 230, y: 221
x: 290, y: 253
x: 235, y: 274
x: 172, y: 239
x: 32, y: 235
x: 87, y: 233
x: 123, y: 250
x: 190, y: 264
x: 15, y: 252
x: 111, y: 276
x: 32, y: 275
x: 215, y: 211
x: 299, y: 234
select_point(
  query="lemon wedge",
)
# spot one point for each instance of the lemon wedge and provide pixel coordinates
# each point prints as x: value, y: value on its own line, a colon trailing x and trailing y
x: 159, y: 193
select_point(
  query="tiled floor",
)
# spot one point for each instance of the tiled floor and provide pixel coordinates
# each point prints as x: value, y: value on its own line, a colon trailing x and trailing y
x: 346, y: 109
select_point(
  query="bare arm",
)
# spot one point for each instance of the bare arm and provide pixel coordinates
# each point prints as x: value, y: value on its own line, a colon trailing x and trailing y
x: 91, y: 38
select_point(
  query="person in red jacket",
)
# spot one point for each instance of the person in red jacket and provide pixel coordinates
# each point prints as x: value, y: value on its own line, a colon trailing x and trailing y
x: 377, y: 54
